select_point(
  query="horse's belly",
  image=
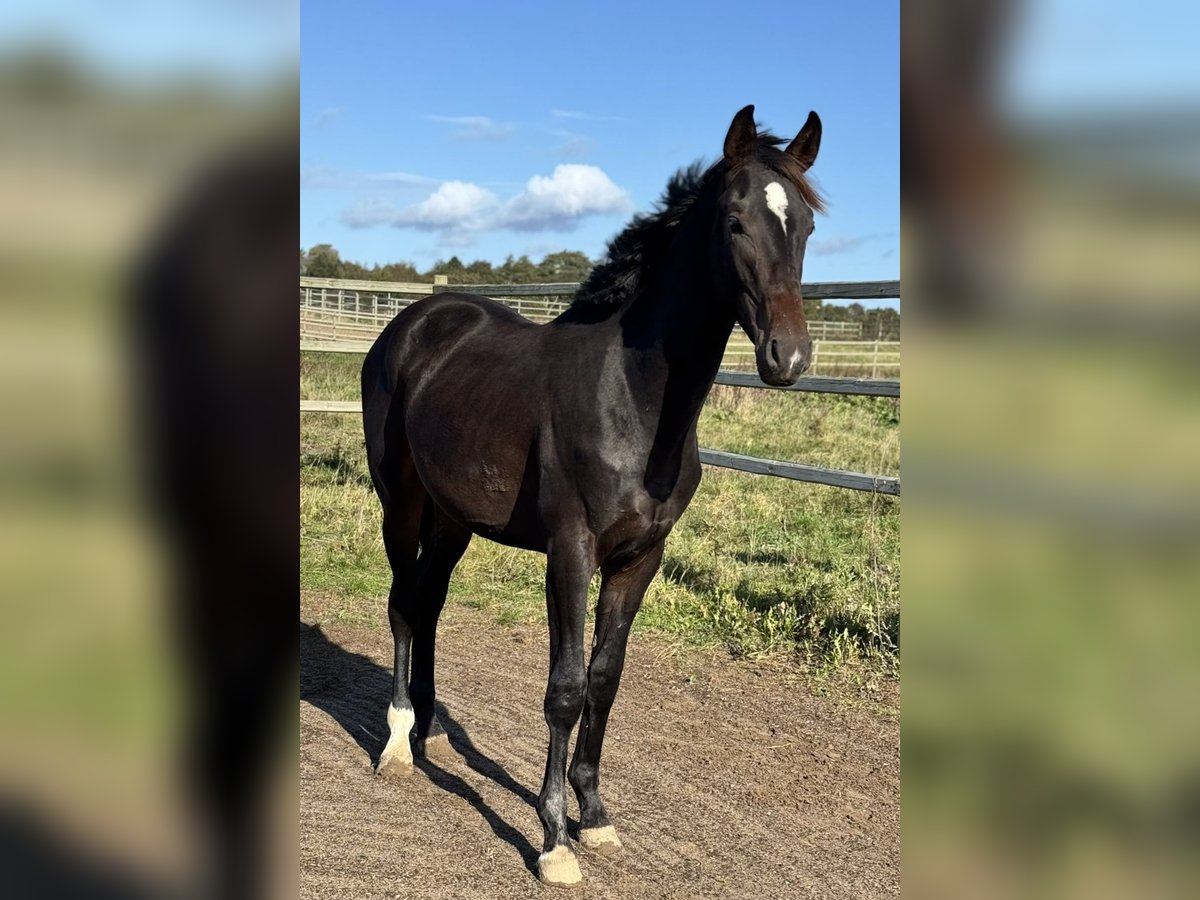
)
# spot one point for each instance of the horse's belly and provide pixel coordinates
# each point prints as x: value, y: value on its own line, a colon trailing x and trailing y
x: 503, y: 518
x: 486, y: 489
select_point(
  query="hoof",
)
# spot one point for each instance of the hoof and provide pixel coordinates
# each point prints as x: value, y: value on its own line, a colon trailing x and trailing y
x: 600, y: 840
x: 436, y: 748
x: 559, y: 867
x: 394, y: 767
x: 396, y: 759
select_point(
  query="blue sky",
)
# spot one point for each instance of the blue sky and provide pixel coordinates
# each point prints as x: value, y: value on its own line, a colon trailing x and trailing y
x: 483, y: 129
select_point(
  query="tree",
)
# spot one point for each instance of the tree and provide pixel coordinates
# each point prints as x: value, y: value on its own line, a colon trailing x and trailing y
x: 517, y: 271
x: 452, y: 268
x: 354, y: 270
x: 566, y: 265
x: 324, y: 262
x: 401, y: 271
x: 882, y: 324
x: 479, y: 272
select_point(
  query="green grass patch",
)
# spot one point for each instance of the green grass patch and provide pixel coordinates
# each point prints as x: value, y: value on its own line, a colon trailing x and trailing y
x: 760, y: 565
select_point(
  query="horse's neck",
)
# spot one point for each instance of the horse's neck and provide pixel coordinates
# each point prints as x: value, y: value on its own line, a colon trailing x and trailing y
x: 678, y: 317
x: 681, y: 328
x: 677, y: 329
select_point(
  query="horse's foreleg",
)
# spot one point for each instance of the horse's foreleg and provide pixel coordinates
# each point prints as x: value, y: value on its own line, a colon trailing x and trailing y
x: 569, y: 567
x: 621, y: 594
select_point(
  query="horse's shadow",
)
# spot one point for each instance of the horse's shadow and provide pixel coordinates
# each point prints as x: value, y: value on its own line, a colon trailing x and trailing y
x: 355, y: 691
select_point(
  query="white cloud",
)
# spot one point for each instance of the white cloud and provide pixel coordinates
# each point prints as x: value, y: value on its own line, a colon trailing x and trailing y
x: 844, y: 243
x: 459, y: 210
x: 369, y: 213
x: 333, y: 178
x: 557, y: 203
x: 584, y: 117
x: 456, y: 205
x: 477, y: 128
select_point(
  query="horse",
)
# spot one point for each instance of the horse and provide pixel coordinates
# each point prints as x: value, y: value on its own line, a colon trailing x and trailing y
x: 577, y: 439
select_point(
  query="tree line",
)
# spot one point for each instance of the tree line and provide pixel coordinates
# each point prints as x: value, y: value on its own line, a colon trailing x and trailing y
x: 324, y: 261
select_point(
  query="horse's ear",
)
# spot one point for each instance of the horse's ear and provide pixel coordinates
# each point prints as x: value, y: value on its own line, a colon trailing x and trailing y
x: 804, y: 147
x: 742, y: 138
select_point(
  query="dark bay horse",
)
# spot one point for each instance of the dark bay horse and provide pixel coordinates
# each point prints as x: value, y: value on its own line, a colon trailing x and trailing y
x: 577, y: 438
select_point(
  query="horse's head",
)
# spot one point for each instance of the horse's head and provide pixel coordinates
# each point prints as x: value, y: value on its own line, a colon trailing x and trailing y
x: 764, y: 217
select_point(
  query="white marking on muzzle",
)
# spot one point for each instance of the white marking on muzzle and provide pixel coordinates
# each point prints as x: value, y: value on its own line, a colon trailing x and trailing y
x: 777, y: 202
x: 795, y: 357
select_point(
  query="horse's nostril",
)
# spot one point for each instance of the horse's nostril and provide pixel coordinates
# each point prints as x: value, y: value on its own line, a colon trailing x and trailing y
x: 773, y: 353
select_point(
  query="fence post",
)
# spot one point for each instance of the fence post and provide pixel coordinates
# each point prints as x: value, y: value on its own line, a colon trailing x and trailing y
x: 875, y: 360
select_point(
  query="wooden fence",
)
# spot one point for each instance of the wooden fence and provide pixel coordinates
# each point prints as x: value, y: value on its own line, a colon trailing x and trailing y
x: 347, y: 315
x: 358, y: 303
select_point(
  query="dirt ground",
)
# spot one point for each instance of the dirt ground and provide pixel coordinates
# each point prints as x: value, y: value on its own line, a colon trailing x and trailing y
x: 724, y: 778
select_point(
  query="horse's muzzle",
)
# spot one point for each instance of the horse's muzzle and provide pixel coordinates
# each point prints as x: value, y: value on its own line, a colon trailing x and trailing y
x: 782, y: 360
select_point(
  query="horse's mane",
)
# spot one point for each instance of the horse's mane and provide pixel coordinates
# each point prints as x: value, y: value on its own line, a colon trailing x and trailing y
x: 636, y: 250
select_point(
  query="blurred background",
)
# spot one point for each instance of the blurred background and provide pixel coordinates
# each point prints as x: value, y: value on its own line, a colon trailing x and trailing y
x: 1052, y: 509
x: 1051, y: 222
x: 147, y: 551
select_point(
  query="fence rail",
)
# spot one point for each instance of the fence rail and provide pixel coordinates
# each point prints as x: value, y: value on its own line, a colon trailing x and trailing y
x: 355, y: 331
x: 800, y: 472
x: 373, y: 302
x: 882, y: 484
x: 818, y: 290
x: 836, y: 358
x: 346, y: 316
x: 866, y: 387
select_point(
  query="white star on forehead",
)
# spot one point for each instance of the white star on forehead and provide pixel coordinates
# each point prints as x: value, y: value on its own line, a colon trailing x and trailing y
x: 777, y: 202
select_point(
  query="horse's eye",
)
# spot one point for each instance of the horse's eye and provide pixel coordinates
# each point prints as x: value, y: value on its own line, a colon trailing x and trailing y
x: 735, y: 226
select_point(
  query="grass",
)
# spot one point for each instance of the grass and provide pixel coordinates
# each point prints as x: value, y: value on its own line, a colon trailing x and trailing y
x: 760, y: 565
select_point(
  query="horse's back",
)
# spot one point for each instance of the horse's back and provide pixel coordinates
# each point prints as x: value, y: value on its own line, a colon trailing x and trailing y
x: 435, y: 324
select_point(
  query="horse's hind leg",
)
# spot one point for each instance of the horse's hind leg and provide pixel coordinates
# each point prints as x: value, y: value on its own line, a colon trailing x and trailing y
x: 402, y: 496
x: 443, y: 543
x: 401, y: 537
